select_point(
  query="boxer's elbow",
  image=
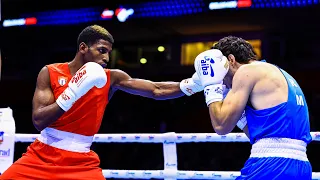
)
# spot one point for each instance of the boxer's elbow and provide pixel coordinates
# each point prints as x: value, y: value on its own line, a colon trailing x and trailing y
x: 220, y: 130
x: 220, y: 120
x: 38, y: 126
x: 44, y: 117
x: 164, y: 94
x: 219, y: 123
x: 37, y: 122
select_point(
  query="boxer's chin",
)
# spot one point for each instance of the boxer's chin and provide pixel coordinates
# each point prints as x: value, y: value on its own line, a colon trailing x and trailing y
x: 103, y: 64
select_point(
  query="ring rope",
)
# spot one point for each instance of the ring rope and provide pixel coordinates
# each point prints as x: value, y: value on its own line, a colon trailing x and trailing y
x: 169, y: 141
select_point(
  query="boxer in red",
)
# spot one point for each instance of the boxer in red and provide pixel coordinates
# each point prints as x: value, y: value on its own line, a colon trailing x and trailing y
x: 68, y: 107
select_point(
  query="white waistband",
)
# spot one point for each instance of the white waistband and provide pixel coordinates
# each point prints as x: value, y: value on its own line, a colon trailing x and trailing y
x: 66, y: 140
x: 280, y: 147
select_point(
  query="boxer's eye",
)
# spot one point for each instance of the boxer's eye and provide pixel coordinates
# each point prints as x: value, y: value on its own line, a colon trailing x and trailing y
x: 103, y: 50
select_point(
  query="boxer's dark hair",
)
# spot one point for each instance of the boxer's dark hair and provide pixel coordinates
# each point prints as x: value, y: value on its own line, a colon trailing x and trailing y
x: 238, y: 47
x: 91, y: 34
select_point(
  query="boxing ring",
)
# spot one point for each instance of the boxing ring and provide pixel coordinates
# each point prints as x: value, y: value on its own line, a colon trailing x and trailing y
x: 169, y: 141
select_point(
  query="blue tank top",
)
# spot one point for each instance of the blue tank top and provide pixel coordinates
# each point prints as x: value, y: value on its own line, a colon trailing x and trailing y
x: 286, y: 120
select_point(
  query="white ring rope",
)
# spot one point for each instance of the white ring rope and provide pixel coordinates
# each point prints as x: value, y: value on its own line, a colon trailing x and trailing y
x: 160, y: 138
x: 169, y: 141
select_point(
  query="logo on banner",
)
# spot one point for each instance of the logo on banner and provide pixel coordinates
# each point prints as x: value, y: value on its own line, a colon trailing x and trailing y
x: 171, y: 164
x: 4, y: 153
x: 317, y: 136
x: 62, y: 80
x: 1, y: 136
x: 146, y: 173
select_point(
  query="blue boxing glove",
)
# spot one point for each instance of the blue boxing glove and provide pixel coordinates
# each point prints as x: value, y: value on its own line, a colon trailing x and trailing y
x: 211, y: 67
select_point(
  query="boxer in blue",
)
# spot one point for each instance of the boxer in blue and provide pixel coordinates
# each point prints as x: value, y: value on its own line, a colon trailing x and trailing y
x: 276, y: 112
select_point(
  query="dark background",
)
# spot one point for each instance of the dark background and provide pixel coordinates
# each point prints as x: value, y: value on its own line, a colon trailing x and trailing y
x: 290, y: 39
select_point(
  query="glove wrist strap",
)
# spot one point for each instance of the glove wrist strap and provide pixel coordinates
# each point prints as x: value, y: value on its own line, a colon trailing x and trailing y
x: 189, y: 87
x: 213, y: 93
x: 66, y: 99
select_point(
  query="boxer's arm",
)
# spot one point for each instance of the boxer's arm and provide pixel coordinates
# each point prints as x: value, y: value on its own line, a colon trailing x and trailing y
x: 45, y: 110
x: 225, y: 114
x: 145, y: 88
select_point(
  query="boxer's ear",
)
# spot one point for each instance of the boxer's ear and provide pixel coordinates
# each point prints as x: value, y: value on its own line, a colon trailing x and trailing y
x: 231, y: 59
x: 83, y: 48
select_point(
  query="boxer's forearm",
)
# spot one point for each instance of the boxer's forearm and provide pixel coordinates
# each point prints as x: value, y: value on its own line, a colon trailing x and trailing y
x: 223, y: 119
x: 167, y: 90
x: 45, y: 116
x: 218, y: 119
x: 150, y: 89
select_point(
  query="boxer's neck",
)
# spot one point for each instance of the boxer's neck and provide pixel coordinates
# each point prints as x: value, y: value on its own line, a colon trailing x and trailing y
x: 75, y: 65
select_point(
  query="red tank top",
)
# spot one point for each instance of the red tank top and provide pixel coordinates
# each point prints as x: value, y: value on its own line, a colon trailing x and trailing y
x: 85, y: 116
